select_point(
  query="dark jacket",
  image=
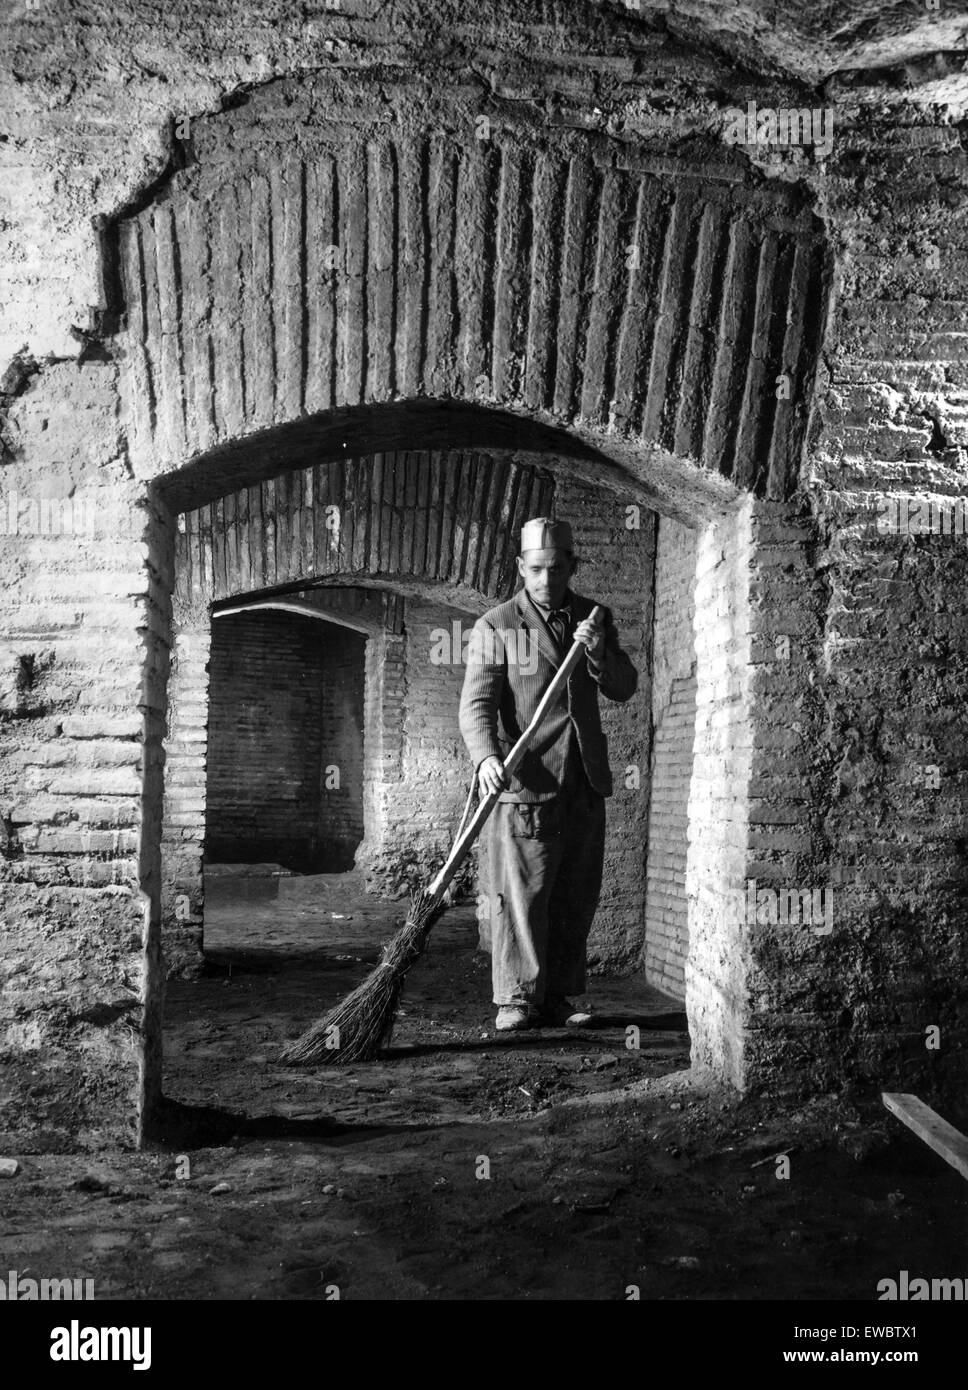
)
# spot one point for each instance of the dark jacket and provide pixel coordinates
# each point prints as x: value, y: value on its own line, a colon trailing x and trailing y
x: 501, y: 694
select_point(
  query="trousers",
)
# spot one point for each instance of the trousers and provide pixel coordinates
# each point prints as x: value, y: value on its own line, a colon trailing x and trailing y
x: 545, y: 879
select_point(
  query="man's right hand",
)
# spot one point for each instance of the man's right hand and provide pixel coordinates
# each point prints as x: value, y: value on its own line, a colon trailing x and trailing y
x: 491, y: 776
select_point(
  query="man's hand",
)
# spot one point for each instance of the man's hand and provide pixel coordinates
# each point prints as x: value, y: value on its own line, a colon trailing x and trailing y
x: 592, y: 633
x: 491, y: 776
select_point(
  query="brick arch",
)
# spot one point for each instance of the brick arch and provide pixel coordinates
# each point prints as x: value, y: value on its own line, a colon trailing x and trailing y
x: 333, y: 243
x: 445, y: 520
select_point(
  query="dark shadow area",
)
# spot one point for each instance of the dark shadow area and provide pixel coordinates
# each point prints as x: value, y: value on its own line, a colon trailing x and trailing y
x: 181, y: 1128
x: 284, y: 773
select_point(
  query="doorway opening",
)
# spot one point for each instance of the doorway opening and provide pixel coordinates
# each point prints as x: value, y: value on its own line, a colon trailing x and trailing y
x: 285, y: 741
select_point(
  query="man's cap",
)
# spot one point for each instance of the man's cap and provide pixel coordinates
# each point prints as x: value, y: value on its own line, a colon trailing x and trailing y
x: 544, y: 533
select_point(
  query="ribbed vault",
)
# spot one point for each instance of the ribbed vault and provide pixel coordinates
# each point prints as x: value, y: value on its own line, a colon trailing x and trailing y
x: 332, y: 243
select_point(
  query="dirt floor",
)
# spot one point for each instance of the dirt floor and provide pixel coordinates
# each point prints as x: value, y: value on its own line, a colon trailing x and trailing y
x: 465, y: 1165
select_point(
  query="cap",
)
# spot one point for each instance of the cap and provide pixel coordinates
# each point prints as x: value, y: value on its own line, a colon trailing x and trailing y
x: 544, y: 533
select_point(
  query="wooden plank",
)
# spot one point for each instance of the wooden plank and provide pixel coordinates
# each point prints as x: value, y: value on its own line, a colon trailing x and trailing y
x: 948, y: 1142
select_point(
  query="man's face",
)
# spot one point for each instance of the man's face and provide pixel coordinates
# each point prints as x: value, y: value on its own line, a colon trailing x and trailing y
x: 546, y: 574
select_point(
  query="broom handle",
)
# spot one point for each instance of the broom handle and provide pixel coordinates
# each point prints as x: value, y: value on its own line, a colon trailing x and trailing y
x: 463, y: 845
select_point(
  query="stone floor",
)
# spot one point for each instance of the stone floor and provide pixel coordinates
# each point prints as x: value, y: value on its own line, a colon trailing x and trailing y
x: 464, y: 1166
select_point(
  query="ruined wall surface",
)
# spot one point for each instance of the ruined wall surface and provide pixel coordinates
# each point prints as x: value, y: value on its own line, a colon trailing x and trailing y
x: 674, y: 730
x: 420, y: 781
x: 861, y: 786
x: 183, y: 807
x: 436, y: 268
x: 92, y: 122
x: 82, y: 695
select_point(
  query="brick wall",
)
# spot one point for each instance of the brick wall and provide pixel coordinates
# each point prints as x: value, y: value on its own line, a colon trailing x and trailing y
x: 340, y: 822
x: 718, y: 846
x: 285, y: 705
x: 425, y: 765
x: 881, y: 622
x: 615, y: 539
x: 674, y: 730
x: 420, y: 796
x: 82, y: 681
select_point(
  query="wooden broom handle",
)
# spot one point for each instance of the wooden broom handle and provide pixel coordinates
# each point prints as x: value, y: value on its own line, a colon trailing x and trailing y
x: 463, y: 845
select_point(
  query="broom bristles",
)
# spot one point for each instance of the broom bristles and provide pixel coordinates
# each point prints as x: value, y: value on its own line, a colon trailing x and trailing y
x: 361, y: 1025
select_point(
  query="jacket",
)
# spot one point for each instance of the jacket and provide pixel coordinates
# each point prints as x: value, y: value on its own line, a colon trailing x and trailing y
x: 511, y: 660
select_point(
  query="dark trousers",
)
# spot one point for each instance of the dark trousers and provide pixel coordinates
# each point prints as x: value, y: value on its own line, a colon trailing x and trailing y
x: 546, y: 876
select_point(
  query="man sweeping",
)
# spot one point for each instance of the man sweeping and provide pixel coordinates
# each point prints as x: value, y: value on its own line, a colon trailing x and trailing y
x: 547, y: 831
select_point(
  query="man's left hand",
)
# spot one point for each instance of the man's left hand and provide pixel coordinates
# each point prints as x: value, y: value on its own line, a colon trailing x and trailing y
x: 592, y: 634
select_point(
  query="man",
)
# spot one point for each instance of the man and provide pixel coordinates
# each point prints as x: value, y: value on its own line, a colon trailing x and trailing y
x: 547, y: 831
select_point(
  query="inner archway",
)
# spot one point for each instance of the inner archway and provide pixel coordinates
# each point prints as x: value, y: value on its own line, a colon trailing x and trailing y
x: 285, y: 740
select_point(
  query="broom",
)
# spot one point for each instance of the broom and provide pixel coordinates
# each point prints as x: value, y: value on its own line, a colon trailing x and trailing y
x: 361, y: 1024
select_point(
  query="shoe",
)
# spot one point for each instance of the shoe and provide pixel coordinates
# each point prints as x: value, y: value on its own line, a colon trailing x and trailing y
x: 511, y: 1018
x: 559, y: 1012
